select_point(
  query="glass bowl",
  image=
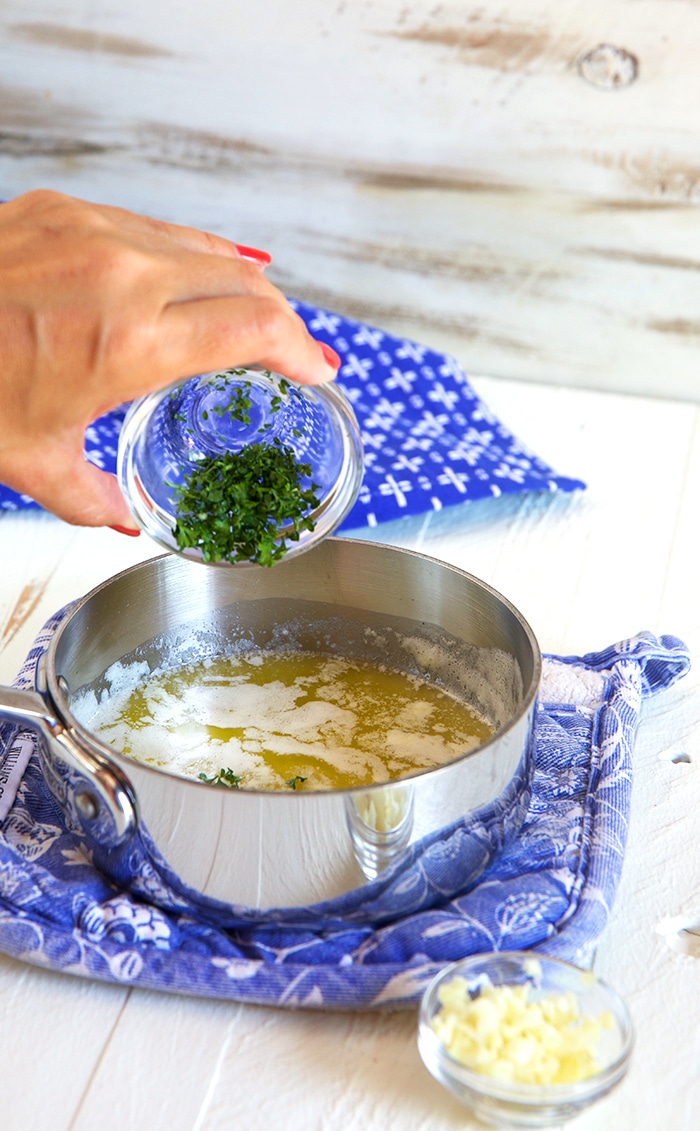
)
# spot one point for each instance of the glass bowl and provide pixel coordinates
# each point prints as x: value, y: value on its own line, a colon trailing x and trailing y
x: 507, y: 1103
x: 166, y: 436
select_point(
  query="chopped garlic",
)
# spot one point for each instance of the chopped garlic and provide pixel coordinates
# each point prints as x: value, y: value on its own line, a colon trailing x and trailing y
x: 504, y: 1034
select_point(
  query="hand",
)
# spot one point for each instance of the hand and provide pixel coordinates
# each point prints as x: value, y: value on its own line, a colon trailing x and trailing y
x: 99, y: 305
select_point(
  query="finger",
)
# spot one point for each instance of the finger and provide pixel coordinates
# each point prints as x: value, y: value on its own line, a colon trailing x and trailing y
x: 192, y: 239
x: 62, y: 481
x: 63, y: 213
x: 250, y: 330
x: 184, y: 275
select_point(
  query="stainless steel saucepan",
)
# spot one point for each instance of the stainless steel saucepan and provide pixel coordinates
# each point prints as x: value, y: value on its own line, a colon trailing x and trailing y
x: 285, y: 849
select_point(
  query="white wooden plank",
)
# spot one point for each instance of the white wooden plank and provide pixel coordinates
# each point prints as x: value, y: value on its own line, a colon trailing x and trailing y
x: 438, y: 171
x: 54, y: 1029
x: 46, y: 564
x: 494, y: 89
x: 349, y: 1057
x: 159, y: 1065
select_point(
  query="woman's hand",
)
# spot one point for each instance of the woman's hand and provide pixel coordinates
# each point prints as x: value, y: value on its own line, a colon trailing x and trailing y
x: 98, y: 306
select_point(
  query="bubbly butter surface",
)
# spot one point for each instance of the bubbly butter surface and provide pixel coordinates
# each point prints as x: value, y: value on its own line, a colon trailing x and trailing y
x: 300, y: 720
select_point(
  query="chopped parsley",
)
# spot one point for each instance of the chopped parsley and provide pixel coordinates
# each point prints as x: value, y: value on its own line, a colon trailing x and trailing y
x: 232, y: 506
x: 224, y: 777
x: 296, y: 782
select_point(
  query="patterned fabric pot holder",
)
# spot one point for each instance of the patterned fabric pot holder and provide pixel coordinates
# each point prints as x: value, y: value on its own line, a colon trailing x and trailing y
x: 549, y: 886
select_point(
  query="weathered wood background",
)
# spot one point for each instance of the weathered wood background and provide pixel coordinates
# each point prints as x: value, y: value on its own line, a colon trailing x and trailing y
x: 514, y: 181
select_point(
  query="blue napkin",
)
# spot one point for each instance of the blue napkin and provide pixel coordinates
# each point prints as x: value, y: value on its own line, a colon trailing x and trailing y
x: 549, y: 886
x: 429, y: 441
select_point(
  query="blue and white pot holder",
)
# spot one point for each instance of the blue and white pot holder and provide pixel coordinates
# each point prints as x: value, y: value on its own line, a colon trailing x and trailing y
x: 549, y: 888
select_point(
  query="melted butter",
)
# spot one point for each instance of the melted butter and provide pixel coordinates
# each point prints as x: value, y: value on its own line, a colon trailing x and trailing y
x: 273, y: 718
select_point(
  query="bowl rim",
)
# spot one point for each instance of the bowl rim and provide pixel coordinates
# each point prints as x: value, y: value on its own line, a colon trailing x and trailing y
x: 156, y: 519
x: 435, y: 1055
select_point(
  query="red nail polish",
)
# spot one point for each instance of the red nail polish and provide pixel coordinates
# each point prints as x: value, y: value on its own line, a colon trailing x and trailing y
x: 253, y: 253
x: 126, y: 530
x: 330, y: 355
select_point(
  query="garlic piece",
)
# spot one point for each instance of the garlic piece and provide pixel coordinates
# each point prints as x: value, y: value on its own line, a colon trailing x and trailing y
x: 510, y: 1034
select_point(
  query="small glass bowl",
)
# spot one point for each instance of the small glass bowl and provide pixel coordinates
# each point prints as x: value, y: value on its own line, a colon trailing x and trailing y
x: 166, y: 434
x: 506, y: 1104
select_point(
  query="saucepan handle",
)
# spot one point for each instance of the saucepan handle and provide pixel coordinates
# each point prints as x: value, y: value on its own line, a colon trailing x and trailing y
x: 91, y: 789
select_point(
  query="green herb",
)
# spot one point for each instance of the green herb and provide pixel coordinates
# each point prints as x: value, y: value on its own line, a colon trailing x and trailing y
x: 232, y: 506
x: 238, y: 407
x: 295, y: 782
x: 224, y: 777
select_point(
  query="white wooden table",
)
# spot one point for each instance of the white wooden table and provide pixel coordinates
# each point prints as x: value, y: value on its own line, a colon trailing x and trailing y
x: 451, y: 170
x: 586, y: 571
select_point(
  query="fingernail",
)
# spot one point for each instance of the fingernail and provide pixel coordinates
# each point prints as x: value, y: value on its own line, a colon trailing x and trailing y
x: 126, y: 530
x: 330, y: 355
x: 253, y: 253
